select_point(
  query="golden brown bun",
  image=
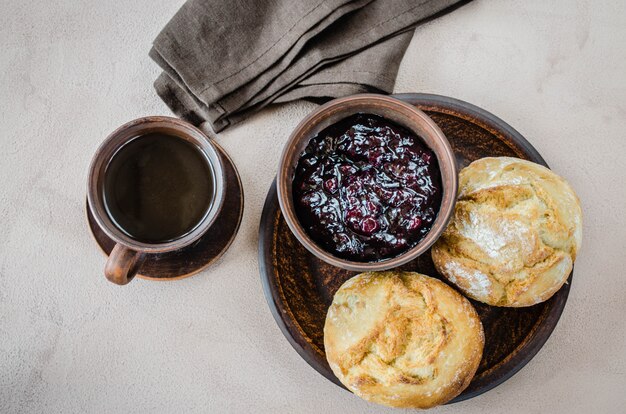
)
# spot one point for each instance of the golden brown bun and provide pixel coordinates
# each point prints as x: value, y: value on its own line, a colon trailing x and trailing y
x: 514, y: 235
x: 402, y: 339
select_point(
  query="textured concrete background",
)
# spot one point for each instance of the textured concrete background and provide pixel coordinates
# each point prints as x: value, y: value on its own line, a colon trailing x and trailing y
x: 72, y: 71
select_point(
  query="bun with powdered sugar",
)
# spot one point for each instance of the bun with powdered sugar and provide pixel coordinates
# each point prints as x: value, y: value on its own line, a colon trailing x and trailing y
x: 402, y: 339
x: 514, y: 235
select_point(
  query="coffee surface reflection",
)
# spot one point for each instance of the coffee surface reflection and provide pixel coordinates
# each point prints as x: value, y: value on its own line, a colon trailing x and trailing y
x: 158, y: 187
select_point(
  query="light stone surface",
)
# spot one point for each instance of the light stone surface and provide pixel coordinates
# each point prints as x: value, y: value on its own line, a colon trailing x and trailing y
x: 72, y: 71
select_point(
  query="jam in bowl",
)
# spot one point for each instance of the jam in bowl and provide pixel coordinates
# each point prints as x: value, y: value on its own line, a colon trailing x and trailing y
x: 367, y: 189
x: 367, y: 182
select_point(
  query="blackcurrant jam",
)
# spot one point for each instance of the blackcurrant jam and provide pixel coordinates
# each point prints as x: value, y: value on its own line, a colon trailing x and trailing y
x: 367, y: 189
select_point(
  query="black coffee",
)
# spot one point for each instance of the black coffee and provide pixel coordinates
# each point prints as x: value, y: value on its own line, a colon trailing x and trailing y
x: 158, y: 187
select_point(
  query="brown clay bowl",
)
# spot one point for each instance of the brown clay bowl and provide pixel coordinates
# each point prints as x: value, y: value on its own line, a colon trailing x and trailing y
x: 394, y: 110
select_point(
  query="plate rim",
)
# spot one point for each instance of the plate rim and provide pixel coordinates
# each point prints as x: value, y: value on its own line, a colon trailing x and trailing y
x: 538, y: 336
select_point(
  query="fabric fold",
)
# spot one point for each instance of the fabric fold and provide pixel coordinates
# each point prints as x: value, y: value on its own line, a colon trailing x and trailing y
x: 222, y: 61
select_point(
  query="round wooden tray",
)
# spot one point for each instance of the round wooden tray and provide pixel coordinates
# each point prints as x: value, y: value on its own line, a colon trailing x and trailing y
x: 299, y: 287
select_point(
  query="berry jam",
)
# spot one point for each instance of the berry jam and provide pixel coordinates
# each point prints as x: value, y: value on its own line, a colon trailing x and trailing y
x: 367, y: 189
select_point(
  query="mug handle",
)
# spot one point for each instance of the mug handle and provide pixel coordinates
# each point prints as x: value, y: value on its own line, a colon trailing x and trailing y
x: 123, y: 264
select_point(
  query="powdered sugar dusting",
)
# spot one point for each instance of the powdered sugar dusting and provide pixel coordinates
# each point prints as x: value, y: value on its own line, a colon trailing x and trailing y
x: 497, y: 175
x: 492, y: 238
x: 493, y: 183
x: 562, y: 271
x: 479, y: 283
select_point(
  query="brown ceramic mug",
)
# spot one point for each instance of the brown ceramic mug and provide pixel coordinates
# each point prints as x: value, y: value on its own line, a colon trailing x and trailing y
x: 126, y: 258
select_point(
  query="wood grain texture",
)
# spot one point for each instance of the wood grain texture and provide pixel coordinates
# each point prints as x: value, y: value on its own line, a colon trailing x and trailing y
x: 192, y: 259
x: 299, y: 287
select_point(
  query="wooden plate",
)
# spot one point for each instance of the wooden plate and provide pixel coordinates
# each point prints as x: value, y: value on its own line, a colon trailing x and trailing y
x: 192, y: 259
x: 299, y: 287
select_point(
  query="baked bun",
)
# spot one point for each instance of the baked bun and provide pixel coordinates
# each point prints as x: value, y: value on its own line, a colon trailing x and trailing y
x: 514, y: 234
x: 402, y: 339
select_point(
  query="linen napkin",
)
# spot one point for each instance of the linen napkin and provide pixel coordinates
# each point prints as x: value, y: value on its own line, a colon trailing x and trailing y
x: 223, y: 60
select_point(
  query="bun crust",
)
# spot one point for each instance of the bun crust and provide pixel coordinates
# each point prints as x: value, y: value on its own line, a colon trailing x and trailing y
x: 514, y: 234
x: 402, y: 339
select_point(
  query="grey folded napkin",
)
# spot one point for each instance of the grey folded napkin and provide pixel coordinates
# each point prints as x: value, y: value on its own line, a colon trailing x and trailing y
x: 223, y: 60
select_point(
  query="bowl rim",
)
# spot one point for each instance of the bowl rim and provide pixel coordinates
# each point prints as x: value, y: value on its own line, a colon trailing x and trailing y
x: 346, y: 106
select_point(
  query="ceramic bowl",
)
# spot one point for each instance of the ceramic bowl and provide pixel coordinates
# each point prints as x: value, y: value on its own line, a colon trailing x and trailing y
x: 394, y: 110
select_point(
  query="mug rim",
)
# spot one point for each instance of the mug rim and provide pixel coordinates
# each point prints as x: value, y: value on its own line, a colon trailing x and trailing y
x: 126, y: 133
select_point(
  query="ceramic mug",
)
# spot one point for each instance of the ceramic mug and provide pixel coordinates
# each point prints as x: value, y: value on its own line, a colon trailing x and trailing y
x: 126, y: 258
